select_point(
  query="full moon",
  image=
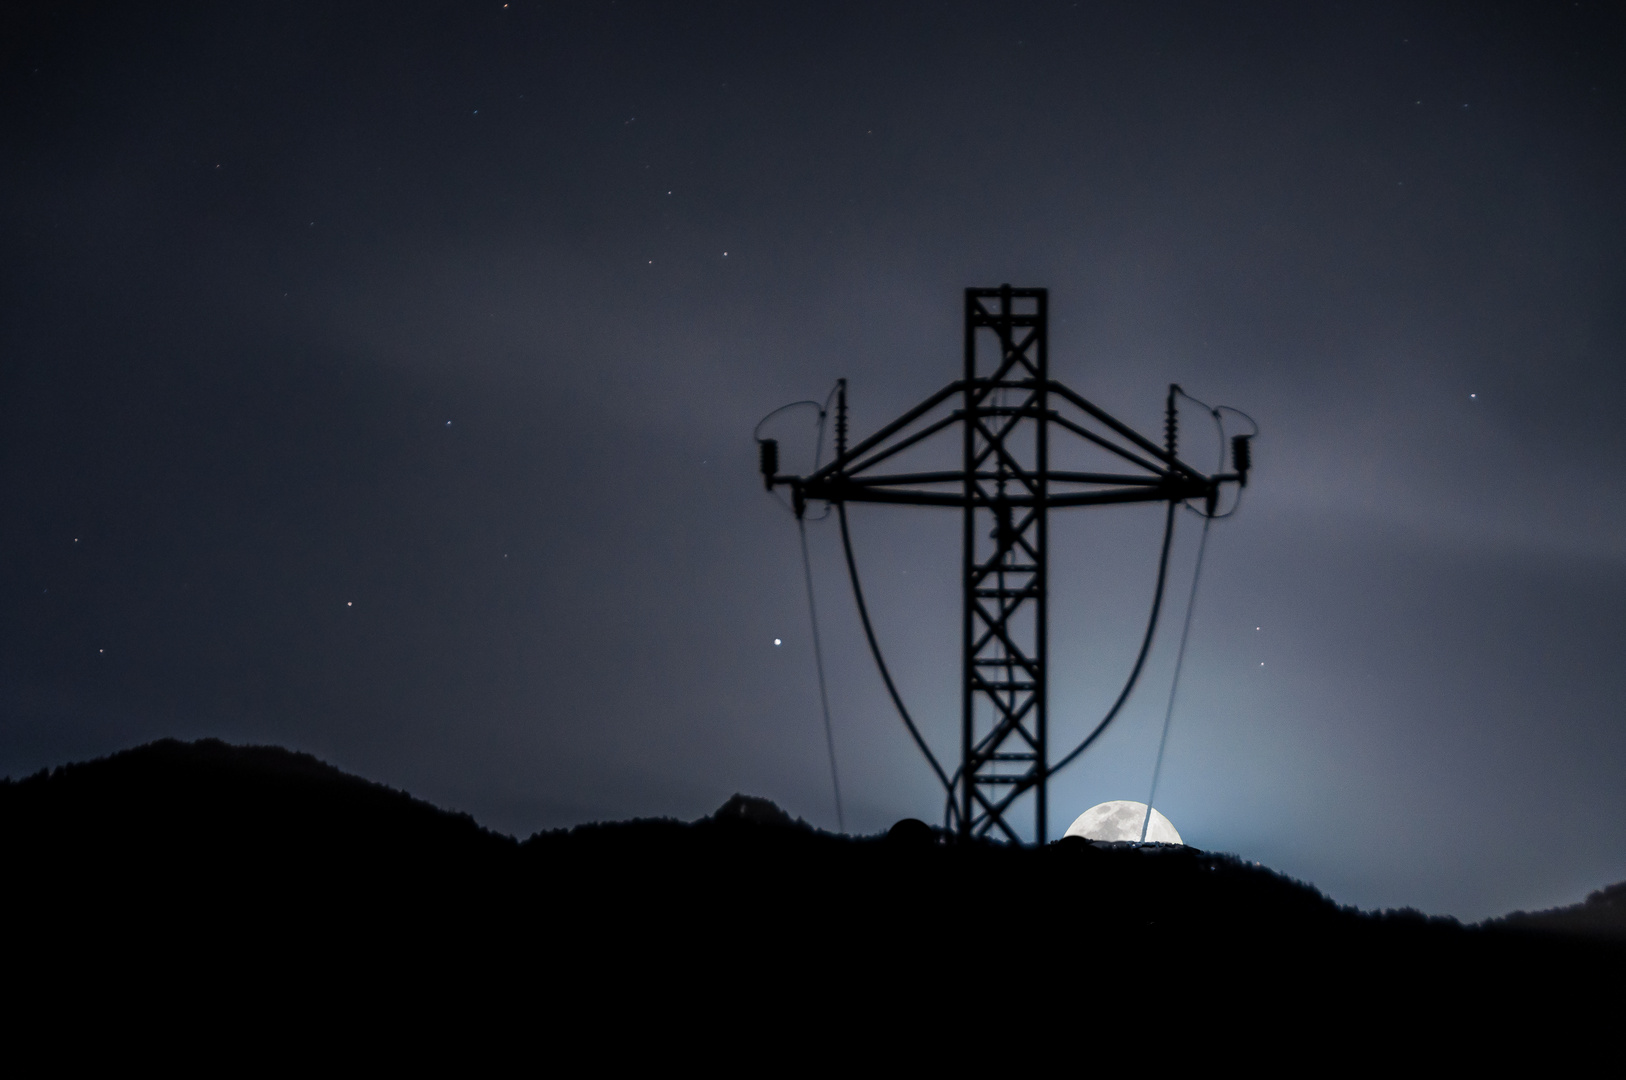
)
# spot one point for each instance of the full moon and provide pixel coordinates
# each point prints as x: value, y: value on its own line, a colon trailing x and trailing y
x: 1121, y: 820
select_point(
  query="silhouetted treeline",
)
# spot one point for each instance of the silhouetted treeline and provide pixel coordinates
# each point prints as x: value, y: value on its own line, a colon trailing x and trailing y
x: 1601, y: 915
x: 252, y: 869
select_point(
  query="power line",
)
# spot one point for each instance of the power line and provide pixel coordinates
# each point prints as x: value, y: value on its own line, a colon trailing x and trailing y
x: 1174, y: 684
x: 1145, y: 645
x: 875, y: 650
x: 818, y: 660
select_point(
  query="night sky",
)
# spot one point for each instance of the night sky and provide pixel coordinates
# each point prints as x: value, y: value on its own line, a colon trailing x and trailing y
x: 378, y: 380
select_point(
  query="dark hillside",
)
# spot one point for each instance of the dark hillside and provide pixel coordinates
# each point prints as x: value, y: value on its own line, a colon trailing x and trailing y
x: 247, y: 867
x: 176, y: 807
x: 1602, y: 915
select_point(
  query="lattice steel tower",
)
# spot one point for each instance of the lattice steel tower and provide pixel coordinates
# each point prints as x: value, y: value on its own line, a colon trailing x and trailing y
x: 1005, y: 407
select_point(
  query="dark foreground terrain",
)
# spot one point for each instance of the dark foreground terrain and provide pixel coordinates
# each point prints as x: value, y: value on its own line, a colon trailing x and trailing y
x: 205, y: 876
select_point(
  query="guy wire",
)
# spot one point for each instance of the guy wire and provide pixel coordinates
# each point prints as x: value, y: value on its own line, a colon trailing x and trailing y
x: 818, y: 660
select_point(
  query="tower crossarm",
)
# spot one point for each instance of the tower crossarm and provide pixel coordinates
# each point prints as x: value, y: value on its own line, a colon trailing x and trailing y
x: 919, y: 489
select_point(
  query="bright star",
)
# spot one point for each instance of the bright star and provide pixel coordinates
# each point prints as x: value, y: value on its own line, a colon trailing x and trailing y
x: 776, y: 641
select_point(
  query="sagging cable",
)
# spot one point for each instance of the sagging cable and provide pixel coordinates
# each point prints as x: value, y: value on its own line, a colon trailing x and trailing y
x: 875, y: 650
x: 1145, y: 647
x: 1174, y: 684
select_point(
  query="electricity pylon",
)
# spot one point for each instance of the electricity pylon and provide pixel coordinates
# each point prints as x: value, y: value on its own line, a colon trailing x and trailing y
x: 1004, y: 410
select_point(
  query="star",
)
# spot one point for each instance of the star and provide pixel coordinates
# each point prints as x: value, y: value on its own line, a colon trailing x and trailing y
x: 776, y: 641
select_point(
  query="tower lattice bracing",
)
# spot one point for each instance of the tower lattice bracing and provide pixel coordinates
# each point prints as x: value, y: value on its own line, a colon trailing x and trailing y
x: 1003, y: 667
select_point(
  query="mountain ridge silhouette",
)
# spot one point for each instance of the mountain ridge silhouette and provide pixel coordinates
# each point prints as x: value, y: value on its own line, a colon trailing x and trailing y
x: 209, y: 790
x: 255, y: 868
